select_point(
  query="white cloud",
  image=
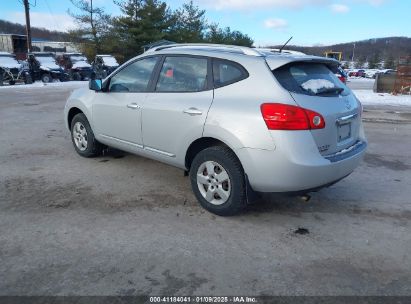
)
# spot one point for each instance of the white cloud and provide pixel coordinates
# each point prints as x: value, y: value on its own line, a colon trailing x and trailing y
x: 258, y: 4
x: 276, y: 23
x: 272, y: 4
x: 339, y: 8
x: 57, y: 22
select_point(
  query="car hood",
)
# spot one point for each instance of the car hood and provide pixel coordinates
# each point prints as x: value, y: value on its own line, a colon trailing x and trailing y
x: 81, y: 64
x: 10, y: 65
x: 51, y: 66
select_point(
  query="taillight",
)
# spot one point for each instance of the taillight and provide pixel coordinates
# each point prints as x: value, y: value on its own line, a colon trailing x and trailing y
x: 278, y: 116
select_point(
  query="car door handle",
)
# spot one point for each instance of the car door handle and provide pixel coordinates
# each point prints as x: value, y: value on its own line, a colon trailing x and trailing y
x: 133, y: 106
x: 192, y: 111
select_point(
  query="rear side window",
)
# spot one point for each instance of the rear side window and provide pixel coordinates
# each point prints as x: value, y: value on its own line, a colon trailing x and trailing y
x: 183, y: 74
x: 310, y: 79
x: 227, y: 72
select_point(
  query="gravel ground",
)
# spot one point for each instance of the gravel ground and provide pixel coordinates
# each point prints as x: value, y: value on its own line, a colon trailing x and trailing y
x: 124, y: 225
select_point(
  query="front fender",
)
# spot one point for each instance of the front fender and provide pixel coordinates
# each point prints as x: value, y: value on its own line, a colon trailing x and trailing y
x: 82, y: 100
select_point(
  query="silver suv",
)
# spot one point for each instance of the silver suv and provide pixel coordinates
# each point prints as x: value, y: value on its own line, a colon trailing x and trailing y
x: 238, y: 120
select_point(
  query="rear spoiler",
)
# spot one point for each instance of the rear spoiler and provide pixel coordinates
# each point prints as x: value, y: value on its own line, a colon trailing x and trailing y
x: 277, y: 61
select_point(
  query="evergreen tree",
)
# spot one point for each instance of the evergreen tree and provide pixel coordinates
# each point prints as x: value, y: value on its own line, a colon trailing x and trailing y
x: 142, y: 22
x: 360, y: 62
x: 190, y: 24
x: 374, y: 62
x: 226, y: 36
x: 389, y: 62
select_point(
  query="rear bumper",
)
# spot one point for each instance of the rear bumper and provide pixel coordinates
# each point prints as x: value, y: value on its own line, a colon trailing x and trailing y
x: 297, y: 166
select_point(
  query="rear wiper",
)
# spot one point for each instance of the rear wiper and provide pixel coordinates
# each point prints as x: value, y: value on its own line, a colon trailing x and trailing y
x: 329, y: 90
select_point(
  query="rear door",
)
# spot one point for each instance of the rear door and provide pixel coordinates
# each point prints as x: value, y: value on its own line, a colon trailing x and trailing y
x: 315, y: 87
x: 174, y: 112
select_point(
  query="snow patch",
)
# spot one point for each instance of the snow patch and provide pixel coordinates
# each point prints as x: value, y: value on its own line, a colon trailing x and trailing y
x: 368, y: 97
x: 9, y: 62
x: 81, y: 64
x: 315, y: 85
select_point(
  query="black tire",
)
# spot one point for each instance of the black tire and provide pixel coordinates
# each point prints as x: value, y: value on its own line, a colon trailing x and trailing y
x: 1, y: 78
x: 237, y: 199
x: 46, y: 78
x: 76, y: 76
x: 12, y: 82
x: 94, y: 148
x: 28, y: 79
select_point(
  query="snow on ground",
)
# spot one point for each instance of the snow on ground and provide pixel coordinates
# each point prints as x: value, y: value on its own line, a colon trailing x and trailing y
x: 368, y: 97
x: 360, y: 79
x: 40, y: 84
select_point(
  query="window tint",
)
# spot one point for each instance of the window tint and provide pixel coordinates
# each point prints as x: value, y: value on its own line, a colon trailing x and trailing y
x: 310, y: 79
x: 183, y: 74
x: 226, y: 72
x: 134, y: 77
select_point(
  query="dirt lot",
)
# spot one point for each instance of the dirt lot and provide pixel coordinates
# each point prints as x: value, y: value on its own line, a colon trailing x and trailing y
x: 124, y: 225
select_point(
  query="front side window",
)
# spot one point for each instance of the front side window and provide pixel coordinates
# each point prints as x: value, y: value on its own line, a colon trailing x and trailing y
x: 227, y: 72
x: 134, y: 77
x: 183, y: 74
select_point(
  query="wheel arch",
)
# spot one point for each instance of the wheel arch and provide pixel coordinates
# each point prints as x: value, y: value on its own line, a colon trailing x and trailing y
x: 200, y: 144
x: 70, y: 115
x: 205, y: 142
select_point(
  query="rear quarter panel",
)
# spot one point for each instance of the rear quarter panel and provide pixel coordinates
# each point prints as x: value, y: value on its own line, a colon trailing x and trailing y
x: 235, y: 115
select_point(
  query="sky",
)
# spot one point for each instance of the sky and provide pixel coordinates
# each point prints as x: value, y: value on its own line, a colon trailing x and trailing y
x: 268, y: 22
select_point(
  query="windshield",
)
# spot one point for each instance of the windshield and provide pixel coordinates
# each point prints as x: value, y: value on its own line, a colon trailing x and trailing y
x: 309, y: 79
x: 77, y: 58
x: 110, y: 61
x: 9, y: 61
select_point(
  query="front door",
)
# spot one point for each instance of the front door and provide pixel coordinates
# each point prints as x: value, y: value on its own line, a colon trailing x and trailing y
x: 116, y: 113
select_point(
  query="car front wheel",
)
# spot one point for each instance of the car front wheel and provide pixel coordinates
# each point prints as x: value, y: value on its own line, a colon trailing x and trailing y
x: 83, y: 137
x: 217, y: 180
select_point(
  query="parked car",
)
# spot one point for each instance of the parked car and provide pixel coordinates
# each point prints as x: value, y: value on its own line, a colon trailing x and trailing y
x: 103, y: 65
x: 11, y: 71
x: 76, y: 65
x: 43, y: 67
x: 371, y: 73
x: 238, y: 122
x: 340, y: 73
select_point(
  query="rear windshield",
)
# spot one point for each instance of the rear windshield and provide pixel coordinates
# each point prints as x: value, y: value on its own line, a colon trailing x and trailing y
x: 310, y: 79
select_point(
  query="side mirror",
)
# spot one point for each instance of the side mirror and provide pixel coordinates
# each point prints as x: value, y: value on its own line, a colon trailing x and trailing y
x: 95, y: 85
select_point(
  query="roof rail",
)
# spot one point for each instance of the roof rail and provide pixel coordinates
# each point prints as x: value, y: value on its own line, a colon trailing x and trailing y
x: 240, y: 49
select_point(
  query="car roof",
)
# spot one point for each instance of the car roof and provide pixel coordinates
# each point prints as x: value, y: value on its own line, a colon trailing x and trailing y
x: 274, y: 59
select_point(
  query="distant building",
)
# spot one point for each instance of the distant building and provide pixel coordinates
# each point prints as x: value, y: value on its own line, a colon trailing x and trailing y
x: 54, y: 46
x: 17, y: 44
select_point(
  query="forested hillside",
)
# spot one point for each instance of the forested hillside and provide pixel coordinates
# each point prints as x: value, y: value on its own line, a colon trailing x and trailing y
x: 366, y: 50
x: 7, y: 27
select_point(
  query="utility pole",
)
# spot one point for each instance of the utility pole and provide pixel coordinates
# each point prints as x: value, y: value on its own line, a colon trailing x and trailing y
x: 353, y: 52
x: 28, y: 28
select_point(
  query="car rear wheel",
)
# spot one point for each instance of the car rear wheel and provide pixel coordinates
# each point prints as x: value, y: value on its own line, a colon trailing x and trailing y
x: 217, y: 180
x: 83, y: 137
